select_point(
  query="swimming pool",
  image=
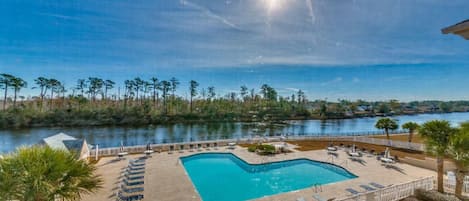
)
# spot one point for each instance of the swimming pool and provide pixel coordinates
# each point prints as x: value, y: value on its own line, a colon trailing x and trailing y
x: 225, y: 177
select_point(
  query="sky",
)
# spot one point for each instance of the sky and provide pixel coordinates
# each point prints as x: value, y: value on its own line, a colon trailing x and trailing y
x: 334, y: 49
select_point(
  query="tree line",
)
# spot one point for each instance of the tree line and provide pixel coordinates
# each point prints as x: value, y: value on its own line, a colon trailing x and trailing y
x: 138, y: 101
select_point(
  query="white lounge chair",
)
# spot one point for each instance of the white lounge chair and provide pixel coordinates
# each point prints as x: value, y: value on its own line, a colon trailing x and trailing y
x: 181, y: 148
x: 171, y: 149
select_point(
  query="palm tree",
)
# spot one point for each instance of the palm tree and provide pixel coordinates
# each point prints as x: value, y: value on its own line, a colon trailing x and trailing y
x: 174, y: 84
x: 138, y: 84
x: 165, y: 87
x: 42, y: 173
x: 193, y: 91
x: 52, y: 84
x: 146, y: 86
x: 108, y: 85
x: 5, y: 82
x: 95, y: 87
x: 301, y: 97
x: 17, y: 83
x: 42, y: 83
x: 244, y: 92
x: 459, y: 150
x: 155, y: 85
x: 81, y: 85
x: 211, y: 92
x: 129, y: 87
x: 437, y: 134
x: 387, y: 124
x: 411, y: 126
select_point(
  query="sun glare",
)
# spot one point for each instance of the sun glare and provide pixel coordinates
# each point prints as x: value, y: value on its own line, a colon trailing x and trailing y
x: 273, y: 5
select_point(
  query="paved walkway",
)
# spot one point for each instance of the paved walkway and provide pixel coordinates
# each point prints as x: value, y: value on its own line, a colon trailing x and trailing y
x: 166, y: 178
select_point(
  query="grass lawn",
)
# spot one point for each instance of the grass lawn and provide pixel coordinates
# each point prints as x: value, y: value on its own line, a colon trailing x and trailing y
x: 307, y: 145
x: 402, y: 137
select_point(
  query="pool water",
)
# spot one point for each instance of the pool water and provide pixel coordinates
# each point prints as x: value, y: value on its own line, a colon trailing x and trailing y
x: 225, y: 177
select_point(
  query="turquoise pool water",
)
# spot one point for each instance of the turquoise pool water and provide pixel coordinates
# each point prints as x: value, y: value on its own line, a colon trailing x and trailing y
x: 225, y: 177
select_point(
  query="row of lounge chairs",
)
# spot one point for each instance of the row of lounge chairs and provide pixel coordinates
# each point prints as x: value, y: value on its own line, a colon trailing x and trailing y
x: 370, y: 187
x: 131, y: 186
x: 193, y: 147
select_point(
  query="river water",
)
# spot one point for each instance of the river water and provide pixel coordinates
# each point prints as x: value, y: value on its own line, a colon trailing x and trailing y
x: 112, y: 136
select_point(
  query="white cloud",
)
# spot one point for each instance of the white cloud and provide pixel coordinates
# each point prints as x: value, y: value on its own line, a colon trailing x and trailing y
x: 333, y: 81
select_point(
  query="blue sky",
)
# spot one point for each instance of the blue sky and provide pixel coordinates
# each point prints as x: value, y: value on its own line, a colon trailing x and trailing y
x: 346, y: 49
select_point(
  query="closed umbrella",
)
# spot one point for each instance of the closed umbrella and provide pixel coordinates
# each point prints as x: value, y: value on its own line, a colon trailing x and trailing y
x: 122, y: 152
x: 387, y: 153
x: 148, y: 151
x: 148, y: 147
x: 121, y: 149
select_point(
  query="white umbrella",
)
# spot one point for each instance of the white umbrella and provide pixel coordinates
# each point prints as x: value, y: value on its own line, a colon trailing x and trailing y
x: 353, y: 148
x: 387, y: 153
x: 121, y: 149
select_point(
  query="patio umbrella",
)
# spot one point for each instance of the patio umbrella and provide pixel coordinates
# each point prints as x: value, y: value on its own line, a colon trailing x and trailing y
x: 121, y: 149
x: 387, y: 153
x: 353, y: 148
x: 461, y: 28
x: 148, y: 147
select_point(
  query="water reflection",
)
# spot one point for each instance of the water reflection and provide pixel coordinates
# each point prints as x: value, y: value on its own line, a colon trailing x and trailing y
x: 111, y: 136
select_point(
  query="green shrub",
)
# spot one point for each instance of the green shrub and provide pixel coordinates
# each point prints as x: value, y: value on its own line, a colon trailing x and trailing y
x: 262, y: 149
x: 252, y: 148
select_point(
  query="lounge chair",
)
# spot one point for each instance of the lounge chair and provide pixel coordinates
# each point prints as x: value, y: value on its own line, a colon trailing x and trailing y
x: 133, y: 177
x: 136, y: 164
x: 376, y: 185
x: 191, y: 148
x: 130, y: 197
x: 181, y: 148
x: 352, y: 191
x: 131, y: 190
x: 132, y: 183
x: 138, y: 161
x: 367, y: 188
x: 300, y: 199
x: 133, y: 173
x: 171, y: 149
x: 135, y: 168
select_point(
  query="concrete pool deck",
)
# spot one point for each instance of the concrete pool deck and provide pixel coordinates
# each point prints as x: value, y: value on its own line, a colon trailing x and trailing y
x: 166, y: 179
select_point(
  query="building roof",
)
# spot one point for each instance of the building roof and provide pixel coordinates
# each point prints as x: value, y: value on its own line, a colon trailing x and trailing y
x: 461, y: 28
x: 63, y: 141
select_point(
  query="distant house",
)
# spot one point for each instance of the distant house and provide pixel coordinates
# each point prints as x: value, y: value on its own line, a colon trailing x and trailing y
x: 68, y: 143
x: 364, y: 108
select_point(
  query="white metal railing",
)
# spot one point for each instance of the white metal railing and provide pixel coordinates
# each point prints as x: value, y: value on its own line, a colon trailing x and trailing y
x: 450, y: 185
x: 176, y: 146
x: 392, y: 143
x: 395, y: 192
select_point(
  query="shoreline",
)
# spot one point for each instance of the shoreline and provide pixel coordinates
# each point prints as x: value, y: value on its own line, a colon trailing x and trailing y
x: 203, y: 120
